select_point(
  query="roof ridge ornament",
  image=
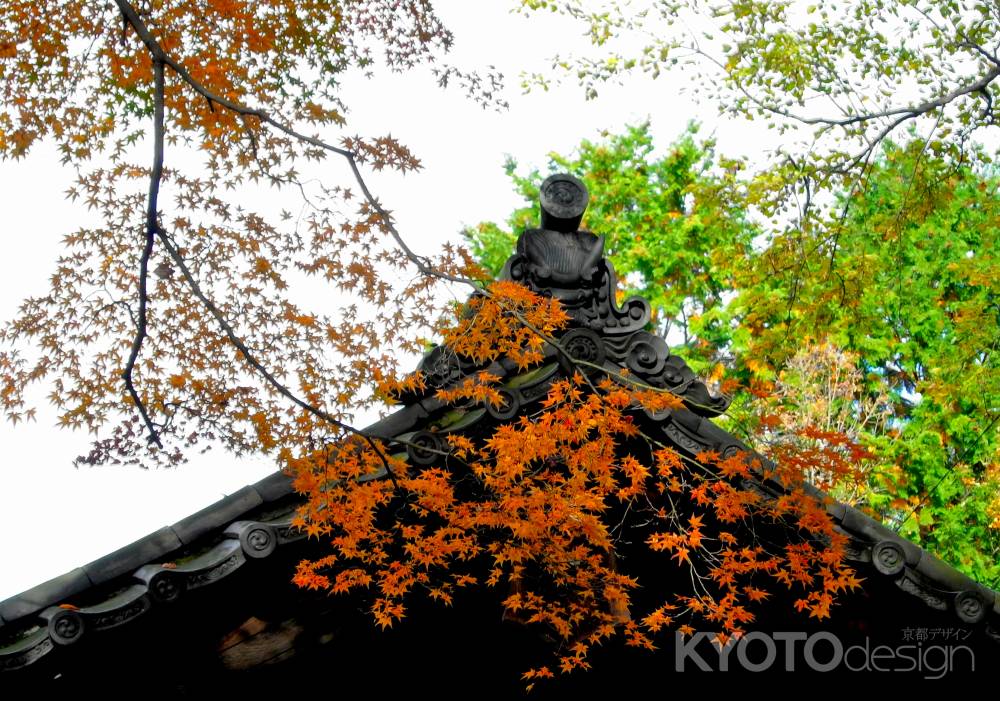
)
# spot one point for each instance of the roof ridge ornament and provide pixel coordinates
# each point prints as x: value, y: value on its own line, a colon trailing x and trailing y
x: 561, y: 260
x: 563, y: 198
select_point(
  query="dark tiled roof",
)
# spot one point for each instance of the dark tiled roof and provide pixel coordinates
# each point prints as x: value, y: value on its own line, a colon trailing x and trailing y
x: 253, y: 522
x: 211, y: 544
x: 194, y: 552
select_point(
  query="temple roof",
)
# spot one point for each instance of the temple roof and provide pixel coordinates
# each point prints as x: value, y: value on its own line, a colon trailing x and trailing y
x: 254, y: 522
x: 166, y: 567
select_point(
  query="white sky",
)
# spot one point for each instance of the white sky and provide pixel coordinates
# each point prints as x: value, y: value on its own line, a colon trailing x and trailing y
x: 54, y: 517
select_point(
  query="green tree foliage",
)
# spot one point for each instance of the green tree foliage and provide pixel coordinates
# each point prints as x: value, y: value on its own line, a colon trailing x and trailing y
x: 879, y: 321
x: 910, y: 284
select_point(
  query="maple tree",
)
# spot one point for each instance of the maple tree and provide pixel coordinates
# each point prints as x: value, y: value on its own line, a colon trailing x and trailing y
x: 532, y: 501
x: 116, y: 72
x: 173, y: 324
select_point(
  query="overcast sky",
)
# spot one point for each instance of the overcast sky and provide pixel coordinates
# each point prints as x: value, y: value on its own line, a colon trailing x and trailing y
x: 54, y: 517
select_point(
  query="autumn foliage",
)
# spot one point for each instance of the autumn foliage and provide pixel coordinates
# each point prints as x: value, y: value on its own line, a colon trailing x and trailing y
x: 875, y: 320
x: 170, y: 324
x: 531, y: 506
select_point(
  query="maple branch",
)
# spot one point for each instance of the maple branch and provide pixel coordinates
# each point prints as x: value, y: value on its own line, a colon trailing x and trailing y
x: 901, y: 114
x: 908, y: 112
x: 152, y: 229
x: 158, y: 53
x: 251, y: 360
x: 577, y: 363
x: 161, y: 58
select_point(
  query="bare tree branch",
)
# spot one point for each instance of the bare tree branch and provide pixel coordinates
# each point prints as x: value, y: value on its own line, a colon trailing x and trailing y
x: 152, y: 229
